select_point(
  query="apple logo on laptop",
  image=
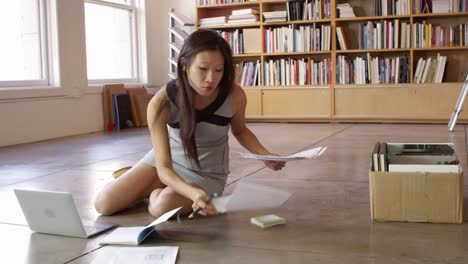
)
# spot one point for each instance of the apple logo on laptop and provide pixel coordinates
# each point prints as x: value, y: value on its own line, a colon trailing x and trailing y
x: 49, y: 213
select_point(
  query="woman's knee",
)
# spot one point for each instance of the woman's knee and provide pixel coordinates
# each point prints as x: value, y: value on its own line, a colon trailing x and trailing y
x: 155, y: 202
x: 103, y: 204
x: 163, y: 200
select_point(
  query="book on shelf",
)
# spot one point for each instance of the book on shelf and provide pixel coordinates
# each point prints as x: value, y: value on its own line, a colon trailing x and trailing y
x: 245, y: 11
x: 430, y: 70
x: 341, y: 38
x: 247, y: 73
x: 305, y: 71
x: 216, y: 2
x: 391, y: 8
x: 252, y: 40
x: 345, y: 10
x: 297, y: 38
x: 372, y: 70
x: 212, y: 21
x: 274, y: 16
x: 307, y: 10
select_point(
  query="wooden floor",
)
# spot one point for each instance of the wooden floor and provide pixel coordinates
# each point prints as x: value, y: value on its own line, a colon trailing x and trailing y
x: 328, y: 218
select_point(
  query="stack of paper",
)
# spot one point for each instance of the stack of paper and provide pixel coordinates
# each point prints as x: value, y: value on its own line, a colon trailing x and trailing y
x: 306, y: 154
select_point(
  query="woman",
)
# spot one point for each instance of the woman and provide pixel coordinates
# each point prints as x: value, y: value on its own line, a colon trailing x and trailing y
x: 188, y: 119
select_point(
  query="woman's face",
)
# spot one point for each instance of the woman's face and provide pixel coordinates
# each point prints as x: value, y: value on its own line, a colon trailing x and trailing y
x: 206, y: 71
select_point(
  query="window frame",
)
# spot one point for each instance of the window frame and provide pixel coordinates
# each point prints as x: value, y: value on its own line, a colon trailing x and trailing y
x: 135, y: 45
x: 46, y: 75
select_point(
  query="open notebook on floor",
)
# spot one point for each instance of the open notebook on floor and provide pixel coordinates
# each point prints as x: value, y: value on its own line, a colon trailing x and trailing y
x: 55, y: 213
x: 136, y: 234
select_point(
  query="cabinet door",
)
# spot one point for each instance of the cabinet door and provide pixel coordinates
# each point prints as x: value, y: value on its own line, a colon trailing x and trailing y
x: 300, y: 103
x: 436, y: 102
x: 254, y: 103
x: 371, y: 102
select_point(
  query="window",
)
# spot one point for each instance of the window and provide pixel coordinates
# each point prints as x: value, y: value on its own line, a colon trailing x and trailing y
x: 23, y: 48
x: 111, y: 41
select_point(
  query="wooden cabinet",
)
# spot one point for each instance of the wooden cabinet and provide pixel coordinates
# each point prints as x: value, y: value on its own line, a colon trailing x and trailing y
x: 254, y: 103
x: 296, y: 103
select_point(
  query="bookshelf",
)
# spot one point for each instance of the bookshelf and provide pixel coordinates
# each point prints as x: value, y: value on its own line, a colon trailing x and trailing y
x: 382, y: 95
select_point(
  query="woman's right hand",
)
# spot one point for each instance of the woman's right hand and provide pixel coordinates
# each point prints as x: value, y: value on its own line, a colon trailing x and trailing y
x: 200, y: 199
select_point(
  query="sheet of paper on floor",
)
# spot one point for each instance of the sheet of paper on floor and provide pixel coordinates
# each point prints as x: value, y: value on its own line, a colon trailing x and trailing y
x: 140, y: 255
x: 249, y: 196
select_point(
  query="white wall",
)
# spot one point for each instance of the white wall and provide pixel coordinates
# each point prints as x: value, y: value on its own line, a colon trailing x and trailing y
x: 76, y: 108
x: 158, y: 13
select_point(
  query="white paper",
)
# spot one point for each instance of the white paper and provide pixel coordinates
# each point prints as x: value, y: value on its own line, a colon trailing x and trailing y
x: 249, y: 196
x: 135, y: 235
x: 306, y: 154
x: 124, y: 255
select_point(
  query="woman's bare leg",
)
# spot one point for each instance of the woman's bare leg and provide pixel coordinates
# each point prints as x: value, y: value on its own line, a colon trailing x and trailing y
x: 165, y: 199
x: 131, y: 187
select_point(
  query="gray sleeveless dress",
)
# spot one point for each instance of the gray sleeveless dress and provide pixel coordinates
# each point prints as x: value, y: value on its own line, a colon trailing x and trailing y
x: 211, y: 136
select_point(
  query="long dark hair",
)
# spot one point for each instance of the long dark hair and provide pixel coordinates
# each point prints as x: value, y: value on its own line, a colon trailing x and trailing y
x: 200, y: 40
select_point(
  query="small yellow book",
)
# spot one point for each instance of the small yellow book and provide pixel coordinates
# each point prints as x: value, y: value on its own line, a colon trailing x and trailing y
x: 265, y: 221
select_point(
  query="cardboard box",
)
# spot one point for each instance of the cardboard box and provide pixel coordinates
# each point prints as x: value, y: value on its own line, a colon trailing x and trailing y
x: 416, y: 196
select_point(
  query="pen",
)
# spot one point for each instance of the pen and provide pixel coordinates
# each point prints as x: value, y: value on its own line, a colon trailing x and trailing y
x: 210, y: 197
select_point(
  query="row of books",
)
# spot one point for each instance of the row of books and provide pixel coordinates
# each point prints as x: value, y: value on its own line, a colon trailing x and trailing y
x: 248, y: 73
x: 415, y: 157
x: 308, y: 9
x: 429, y: 35
x: 235, y: 39
x: 216, y: 2
x: 297, y: 72
x: 384, y: 35
x: 440, y: 6
x: 430, y: 70
x: 375, y: 70
x: 391, y: 7
x: 295, y: 38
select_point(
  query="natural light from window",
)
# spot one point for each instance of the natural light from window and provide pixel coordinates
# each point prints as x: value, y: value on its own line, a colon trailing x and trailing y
x: 109, y: 42
x: 20, y: 46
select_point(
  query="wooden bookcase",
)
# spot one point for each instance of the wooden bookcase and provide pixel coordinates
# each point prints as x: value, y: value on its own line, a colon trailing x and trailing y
x: 334, y: 102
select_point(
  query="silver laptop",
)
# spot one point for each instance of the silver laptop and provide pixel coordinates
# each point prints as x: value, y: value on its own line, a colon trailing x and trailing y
x: 55, y: 213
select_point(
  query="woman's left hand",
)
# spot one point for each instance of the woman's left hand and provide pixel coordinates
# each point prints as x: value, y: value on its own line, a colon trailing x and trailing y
x: 275, y: 165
